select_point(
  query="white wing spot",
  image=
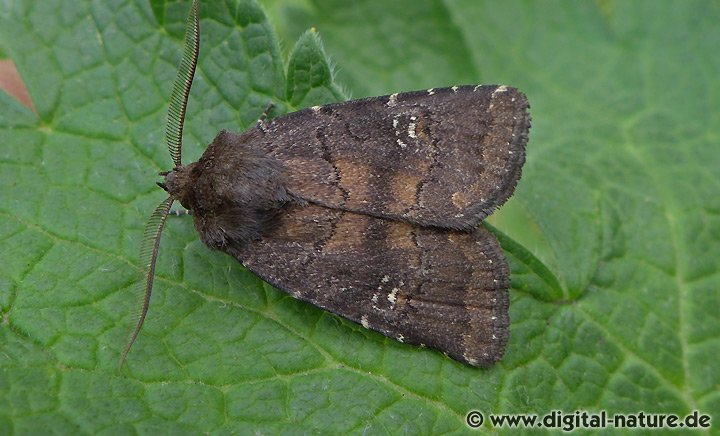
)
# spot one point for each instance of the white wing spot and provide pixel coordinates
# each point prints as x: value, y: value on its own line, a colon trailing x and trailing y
x: 392, y: 296
x: 454, y: 88
x: 400, y: 338
x: 477, y: 87
x: 401, y: 144
x: 411, y: 130
x: 395, y: 122
x: 364, y: 322
x: 470, y: 360
x: 315, y: 109
x: 499, y: 89
x: 431, y: 91
x: 392, y: 101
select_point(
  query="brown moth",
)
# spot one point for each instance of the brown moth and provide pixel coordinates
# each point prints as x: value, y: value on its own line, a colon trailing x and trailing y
x: 369, y: 209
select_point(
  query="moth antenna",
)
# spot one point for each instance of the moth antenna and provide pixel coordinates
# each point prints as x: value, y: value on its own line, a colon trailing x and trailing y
x: 148, y: 257
x: 181, y: 88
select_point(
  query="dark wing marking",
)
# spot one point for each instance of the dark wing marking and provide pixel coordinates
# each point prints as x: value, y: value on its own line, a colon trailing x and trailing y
x: 441, y: 288
x: 446, y: 157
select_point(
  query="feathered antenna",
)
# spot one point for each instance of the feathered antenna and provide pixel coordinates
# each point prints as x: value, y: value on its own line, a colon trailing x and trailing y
x: 148, y: 257
x: 181, y: 89
x: 173, y: 136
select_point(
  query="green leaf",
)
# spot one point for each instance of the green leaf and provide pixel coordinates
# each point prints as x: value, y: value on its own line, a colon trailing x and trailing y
x: 310, y: 77
x: 612, y: 235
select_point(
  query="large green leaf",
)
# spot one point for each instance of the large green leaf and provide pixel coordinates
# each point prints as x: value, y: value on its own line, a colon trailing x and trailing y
x: 613, y: 234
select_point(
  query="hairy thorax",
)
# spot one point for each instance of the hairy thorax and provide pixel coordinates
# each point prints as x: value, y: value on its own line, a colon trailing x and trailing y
x: 234, y: 191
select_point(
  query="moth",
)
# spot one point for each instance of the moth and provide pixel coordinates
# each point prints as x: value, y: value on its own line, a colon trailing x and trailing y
x: 369, y: 209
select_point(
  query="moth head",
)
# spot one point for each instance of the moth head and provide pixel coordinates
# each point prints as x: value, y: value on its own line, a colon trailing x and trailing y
x: 175, y: 180
x: 177, y: 183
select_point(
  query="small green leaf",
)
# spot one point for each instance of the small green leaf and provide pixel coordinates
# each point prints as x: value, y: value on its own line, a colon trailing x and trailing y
x: 310, y: 77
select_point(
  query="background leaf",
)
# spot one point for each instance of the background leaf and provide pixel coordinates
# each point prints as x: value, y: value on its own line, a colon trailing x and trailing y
x: 613, y: 234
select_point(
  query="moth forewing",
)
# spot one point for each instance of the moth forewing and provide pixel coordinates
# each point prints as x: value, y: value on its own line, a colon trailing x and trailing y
x: 444, y: 157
